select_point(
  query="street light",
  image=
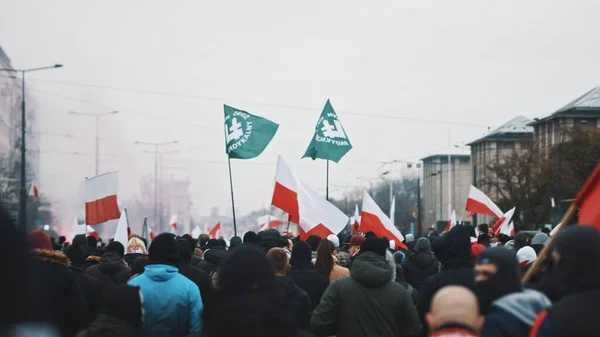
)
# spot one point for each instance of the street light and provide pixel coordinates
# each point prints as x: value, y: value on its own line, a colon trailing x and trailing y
x: 156, y: 146
x: 23, y: 194
x: 97, y: 116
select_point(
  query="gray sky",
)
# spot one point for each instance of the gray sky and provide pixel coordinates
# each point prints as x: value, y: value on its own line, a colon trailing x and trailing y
x: 169, y: 67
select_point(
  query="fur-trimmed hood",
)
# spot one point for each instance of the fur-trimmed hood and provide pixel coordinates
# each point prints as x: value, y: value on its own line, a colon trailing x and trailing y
x: 51, y: 256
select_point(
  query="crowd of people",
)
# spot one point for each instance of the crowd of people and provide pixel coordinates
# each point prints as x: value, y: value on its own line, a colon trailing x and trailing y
x: 269, y: 284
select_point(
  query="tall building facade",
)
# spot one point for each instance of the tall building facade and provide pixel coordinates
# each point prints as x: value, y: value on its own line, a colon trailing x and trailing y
x: 494, y: 148
x: 434, y: 194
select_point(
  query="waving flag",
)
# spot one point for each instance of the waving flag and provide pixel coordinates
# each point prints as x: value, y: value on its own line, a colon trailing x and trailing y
x: 121, y: 232
x: 374, y: 220
x: 33, y: 191
x: 503, y: 222
x: 355, y: 221
x: 268, y: 221
x: 451, y: 222
x: 101, y: 199
x: 305, y: 207
x: 588, y: 200
x: 246, y: 135
x: 213, y: 233
x: 479, y: 203
x: 196, y: 232
x: 173, y: 223
x: 330, y: 140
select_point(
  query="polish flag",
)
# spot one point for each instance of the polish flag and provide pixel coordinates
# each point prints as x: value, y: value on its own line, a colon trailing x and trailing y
x: 355, y: 221
x: 151, y: 233
x: 173, y: 223
x: 101, y: 199
x: 196, y: 232
x: 121, y: 231
x: 90, y: 231
x: 479, y: 203
x: 501, y: 226
x: 451, y: 222
x: 268, y: 221
x: 588, y: 200
x: 508, y: 230
x: 214, y: 231
x: 305, y: 207
x: 78, y: 229
x: 374, y: 220
x: 33, y: 191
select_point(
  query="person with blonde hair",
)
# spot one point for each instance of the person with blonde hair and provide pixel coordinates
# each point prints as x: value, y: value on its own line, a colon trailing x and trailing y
x: 136, y: 247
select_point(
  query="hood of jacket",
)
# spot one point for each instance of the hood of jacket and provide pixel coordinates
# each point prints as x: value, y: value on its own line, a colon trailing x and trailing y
x: 453, y: 249
x: 215, y: 255
x: 372, y: 270
x: 422, y: 259
x: 160, y: 272
x: 106, y: 325
x: 525, y: 305
x: 50, y: 256
x: 111, y: 263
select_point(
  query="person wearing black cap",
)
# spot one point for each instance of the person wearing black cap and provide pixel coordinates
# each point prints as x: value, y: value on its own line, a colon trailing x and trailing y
x: 250, y: 238
x: 213, y: 255
x: 369, y: 302
x: 172, y: 303
x: 509, y: 309
x: 573, y: 279
x: 302, y: 272
x: 112, y: 269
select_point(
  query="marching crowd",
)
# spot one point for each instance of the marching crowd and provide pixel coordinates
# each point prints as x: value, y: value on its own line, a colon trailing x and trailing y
x: 268, y: 284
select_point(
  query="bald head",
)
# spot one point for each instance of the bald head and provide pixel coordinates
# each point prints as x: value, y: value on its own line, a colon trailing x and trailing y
x: 451, y: 305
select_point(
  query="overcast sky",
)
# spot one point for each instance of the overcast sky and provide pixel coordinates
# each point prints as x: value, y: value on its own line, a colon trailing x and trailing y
x: 400, y: 74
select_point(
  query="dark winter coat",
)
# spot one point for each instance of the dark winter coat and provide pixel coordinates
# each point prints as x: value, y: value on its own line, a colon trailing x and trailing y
x: 418, y: 267
x: 212, y: 259
x: 310, y: 281
x: 454, y: 252
x: 129, y: 258
x: 110, y: 271
x: 58, y: 298
x: 369, y: 303
x: 201, y: 279
x: 92, y: 292
x: 109, y: 326
x: 298, y: 300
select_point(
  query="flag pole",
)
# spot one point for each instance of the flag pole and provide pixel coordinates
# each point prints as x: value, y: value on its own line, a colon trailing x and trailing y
x: 232, y: 199
x: 327, y: 182
x: 550, y: 243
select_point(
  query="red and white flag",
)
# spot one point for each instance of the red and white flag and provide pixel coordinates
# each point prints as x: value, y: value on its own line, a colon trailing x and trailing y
x: 479, y: 203
x: 355, y: 221
x: 214, y: 232
x: 451, y: 221
x: 268, y: 221
x: 121, y: 231
x: 101, y: 199
x: 173, y: 223
x: 508, y: 230
x: 588, y: 200
x: 196, y: 232
x: 373, y: 219
x: 33, y: 191
x: 501, y: 226
x: 305, y: 207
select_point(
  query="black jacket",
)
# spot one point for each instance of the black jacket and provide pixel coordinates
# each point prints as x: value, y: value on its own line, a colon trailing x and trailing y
x: 109, y: 326
x: 418, y: 267
x: 92, y: 292
x: 110, y: 271
x: 130, y: 258
x: 454, y: 252
x: 212, y: 258
x: 310, y: 281
x: 298, y: 299
x: 58, y: 299
x: 201, y: 279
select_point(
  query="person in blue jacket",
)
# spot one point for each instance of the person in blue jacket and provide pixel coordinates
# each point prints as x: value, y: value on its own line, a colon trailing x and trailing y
x: 172, y: 303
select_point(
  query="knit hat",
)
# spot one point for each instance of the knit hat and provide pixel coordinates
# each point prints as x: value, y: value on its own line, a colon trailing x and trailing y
x: 374, y: 245
x: 234, y: 242
x: 38, y: 239
x: 212, y: 243
x: 251, y: 238
x: 409, y: 238
x: 124, y: 302
x: 301, y: 254
x: 334, y: 239
x: 164, y: 249
x: 116, y: 247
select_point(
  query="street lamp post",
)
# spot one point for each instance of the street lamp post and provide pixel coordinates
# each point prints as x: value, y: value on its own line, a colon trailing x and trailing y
x: 156, y: 146
x: 97, y: 116
x: 23, y: 189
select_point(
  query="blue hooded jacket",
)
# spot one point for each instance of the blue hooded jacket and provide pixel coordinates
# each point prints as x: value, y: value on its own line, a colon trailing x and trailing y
x: 172, y: 303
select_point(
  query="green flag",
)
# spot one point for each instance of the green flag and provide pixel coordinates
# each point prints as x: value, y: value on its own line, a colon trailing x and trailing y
x: 246, y: 135
x: 330, y: 140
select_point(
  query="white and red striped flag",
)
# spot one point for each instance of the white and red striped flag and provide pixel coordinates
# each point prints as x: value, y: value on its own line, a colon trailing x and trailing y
x: 355, y: 221
x: 479, y: 203
x: 173, y: 224
x: 213, y: 233
x: 33, y: 191
x: 121, y: 231
x: 501, y: 226
x: 305, y: 207
x: 451, y: 221
x: 372, y: 219
x: 101, y: 199
x: 268, y: 221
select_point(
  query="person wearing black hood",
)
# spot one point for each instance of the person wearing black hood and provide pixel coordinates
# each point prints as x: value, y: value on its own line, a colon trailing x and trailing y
x: 453, y: 250
x: 213, y: 255
x: 270, y: 239
x: 89, y: 285
x: 250, y: 238
x: 249, y: 301
x: 194, y: 274
x: 304, y: 275
x: 421, y: 264
x: 122, y: 316
x: 369, y: 303
x: 509, y: 309
x: 573, y: 278
x: 112, y: 269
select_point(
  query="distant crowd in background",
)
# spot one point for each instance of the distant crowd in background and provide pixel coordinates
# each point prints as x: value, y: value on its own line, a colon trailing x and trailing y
x: 269, y: 284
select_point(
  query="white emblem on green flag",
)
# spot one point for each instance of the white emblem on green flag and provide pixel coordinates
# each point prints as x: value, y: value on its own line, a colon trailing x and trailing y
x: 246, y: 135
x: 330, y: 140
